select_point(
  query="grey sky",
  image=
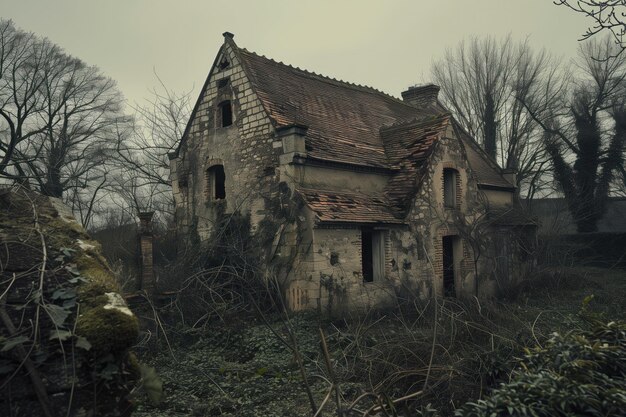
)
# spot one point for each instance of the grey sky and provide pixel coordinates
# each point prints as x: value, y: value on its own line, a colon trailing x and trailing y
x: 388, y: 45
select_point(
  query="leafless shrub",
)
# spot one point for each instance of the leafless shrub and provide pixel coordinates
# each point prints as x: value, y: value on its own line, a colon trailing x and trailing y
x: 218, y: 279
x: 443, y: 352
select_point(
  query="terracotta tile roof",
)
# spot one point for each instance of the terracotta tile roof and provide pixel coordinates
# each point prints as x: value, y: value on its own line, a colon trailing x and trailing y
x: 408, y: 147
x: 357, y: 125
x: 343, y: 119
x: 347, y: 207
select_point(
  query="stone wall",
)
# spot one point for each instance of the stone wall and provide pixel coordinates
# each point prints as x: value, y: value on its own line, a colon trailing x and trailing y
x: 245, y: 149
x: 430, y: 221
x: 555, y: 218
x: 332, y: 278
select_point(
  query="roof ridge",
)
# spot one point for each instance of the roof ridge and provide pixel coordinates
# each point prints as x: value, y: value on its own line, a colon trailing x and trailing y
x: 360, y: 87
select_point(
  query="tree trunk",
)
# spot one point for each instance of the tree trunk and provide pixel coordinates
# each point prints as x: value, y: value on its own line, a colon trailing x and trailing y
x: 490, y: 128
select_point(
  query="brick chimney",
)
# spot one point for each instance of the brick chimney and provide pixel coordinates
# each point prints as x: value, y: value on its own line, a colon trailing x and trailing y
x: 145, y: 246
x: 421, y: 96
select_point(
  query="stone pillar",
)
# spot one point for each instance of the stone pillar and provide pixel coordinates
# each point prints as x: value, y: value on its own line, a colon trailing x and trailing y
x: 293, y: 138
x: 145, y: 247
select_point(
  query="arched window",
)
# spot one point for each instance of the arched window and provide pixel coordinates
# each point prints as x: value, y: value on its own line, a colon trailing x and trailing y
x: 450, y: 178
x: 224, y: 114
x: 215, y: 183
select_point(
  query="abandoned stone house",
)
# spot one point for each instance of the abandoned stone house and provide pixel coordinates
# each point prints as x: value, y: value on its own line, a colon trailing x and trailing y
x: 386, y: 196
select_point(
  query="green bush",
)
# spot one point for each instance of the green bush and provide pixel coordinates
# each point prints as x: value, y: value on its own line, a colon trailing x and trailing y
x: 581, y: 373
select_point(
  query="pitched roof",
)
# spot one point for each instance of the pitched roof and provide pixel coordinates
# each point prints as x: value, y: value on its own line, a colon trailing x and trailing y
x: 354, y: 124
x: 348, y: 207
x: 486, y: 170
x: 408, y: 147
x: 343, y: 119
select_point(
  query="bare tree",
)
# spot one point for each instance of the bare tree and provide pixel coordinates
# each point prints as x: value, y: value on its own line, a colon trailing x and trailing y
x: 161, y: 122
x: 142, y: 153
x: 79, y: 135
x: 481, y: 83
x: 607, y: 16
x: 59, y: 115
x: 23, y: 69
x: 586, y: 143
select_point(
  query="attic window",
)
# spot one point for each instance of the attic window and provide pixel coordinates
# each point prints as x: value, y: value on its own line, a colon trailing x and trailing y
x: 224, y: 64
x: 450, y: 179
x: 222, y: 83
x: 224, y: 114
x: 215, y: 183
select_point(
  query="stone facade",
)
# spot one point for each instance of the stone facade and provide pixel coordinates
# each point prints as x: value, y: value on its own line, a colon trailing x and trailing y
x: 362, y: 175
x: 245, y: 149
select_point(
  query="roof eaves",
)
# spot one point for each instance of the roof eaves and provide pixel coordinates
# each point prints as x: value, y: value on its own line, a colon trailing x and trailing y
x: 329, y: 223
x: 311, y: 160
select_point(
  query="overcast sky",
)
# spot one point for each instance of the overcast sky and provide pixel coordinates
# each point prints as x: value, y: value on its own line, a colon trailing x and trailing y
x: 388, y: 44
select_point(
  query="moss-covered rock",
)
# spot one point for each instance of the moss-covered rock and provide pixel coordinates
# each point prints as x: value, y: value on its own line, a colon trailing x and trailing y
x: 54, y: 276
x: 109, y: 330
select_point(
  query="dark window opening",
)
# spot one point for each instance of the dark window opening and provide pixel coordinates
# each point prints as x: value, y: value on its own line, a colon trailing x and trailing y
x: 449, y: 187
x: 367, y: 258
x: 372, y: 255
x: 215, y: 183
x: 225, y: 114
x: 222, y: 83
x: 224, y: 64
x: 448, y: 266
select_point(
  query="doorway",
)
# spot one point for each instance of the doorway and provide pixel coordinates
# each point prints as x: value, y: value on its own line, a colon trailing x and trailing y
x: 372, y: 254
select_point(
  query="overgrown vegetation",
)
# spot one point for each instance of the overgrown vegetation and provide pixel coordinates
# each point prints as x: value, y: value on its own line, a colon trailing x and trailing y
x: 582, y: 372
x: 418, y: 359
x: 66, y: 332
x: 220, y: 278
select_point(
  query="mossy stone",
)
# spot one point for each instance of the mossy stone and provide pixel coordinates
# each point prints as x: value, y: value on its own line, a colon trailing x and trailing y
x: 108, y: 329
